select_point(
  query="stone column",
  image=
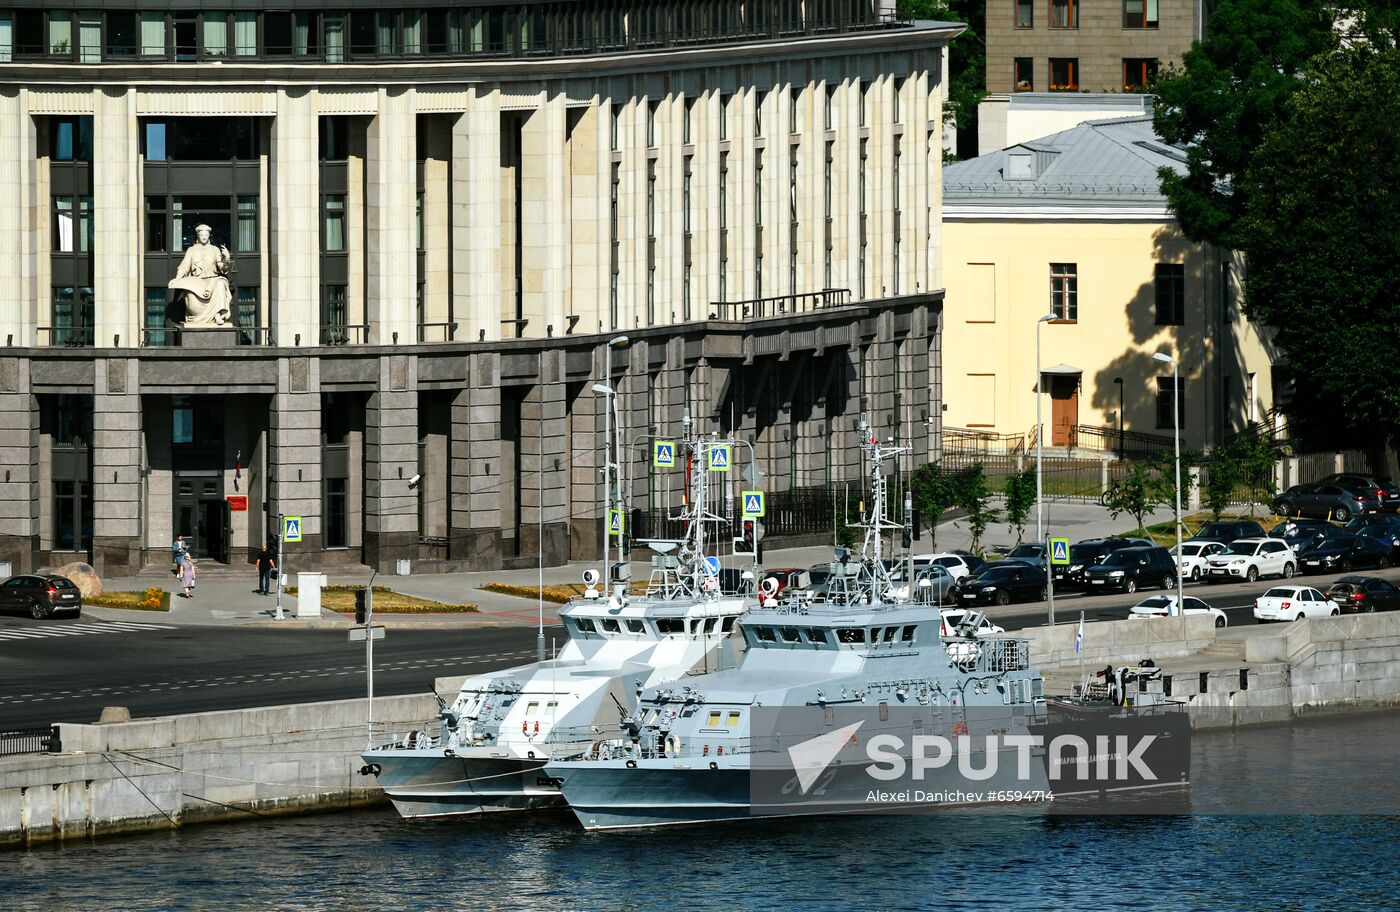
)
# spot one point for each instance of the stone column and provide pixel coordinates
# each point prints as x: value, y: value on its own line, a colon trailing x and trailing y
x: 19, y: 478
x: 586, y: 294
x: 18, y: 241
x: 116, y: 203
x: 116, y: 467
x: 294, y: 454
x: 475, y: 448
x: 476, y: 217
x: 391, y: 201
x: 542, y: 470
x: 391, y: 460
x: 294, y: 307
x: 437, y: 228
x: 544, y: 213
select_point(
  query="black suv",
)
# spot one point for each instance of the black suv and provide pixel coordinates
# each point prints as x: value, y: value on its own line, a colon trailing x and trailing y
x: 1089, y: 552
x: 1131, y: 569
x: 1228, y: 530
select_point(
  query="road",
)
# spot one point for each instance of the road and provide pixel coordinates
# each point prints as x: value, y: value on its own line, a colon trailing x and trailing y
x: 160, y: 670
x: 67, y: 670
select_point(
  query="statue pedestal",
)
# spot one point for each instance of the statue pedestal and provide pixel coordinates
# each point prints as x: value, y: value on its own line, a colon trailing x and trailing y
x: 207, y: 337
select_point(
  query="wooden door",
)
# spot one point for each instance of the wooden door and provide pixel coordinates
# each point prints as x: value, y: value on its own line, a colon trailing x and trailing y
x: 1064, y: 411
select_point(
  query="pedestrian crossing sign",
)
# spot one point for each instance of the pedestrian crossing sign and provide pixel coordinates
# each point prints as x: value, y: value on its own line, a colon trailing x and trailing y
x: 615, y: 522
x: 1059, y: 552
x: 719, y: 458
x: 753, y: 504
x: 663, y: 454
x: 291, y: 528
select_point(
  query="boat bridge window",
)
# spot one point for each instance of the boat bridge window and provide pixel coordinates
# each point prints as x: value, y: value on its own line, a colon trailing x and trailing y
x: 711, y: 624
x: 549, y: 709
x: 850, y: 635
x: 712, y: 721
x: 765, y: 635
x: 890, y: 634
x: 635, y: 626
x: 670, y: 625
x: 532, y: 709
x: 817, y: 635
x: 728, y: 623
x: 733, y: 719
x: 790, y: 635
x: 611, y: 626
x: 585, y: 625
x: 908, y: 635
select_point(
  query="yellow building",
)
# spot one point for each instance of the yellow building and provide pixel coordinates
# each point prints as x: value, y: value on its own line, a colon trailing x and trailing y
x: 1074, y: 225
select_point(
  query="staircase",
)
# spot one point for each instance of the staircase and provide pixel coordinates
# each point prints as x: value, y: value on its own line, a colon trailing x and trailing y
x: 1225, y: 649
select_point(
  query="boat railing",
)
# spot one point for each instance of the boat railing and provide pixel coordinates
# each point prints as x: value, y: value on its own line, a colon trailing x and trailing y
x: 618, y: 743
x: 998, y: 654
x: 403, y: 735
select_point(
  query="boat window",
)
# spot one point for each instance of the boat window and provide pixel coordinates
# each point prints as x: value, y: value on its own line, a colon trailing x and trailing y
x: 585, y: 625
x: 890, y: 634
x: 733, y: 718
x: 790, y: 635
x: 635, y: 626
x: 610, y: 626
x: 817, y: 635
x: 850, y: 635
x: 531, y: 709
x: 549, y: 709
x: 908, y: 635
x: 765, y: 634
x: 713, y: 719
x: 711, y: 624
x: 670, y: 625
x: 728, y: 624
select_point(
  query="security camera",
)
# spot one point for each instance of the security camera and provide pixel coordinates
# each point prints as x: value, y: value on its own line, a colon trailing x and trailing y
x: 413, y: 482
x: 770, y: 587
x: 591, y: 577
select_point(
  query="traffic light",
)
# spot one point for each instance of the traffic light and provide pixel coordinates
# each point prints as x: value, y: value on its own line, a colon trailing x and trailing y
x: 747, y: 542
x: 361, y: 605
x: 908, y: 540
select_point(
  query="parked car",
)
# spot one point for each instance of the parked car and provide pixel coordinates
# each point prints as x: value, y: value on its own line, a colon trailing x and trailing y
x: 1289, y: 603
x: 1032, y: 553
x: 1251, y: 558
x: 1131, y: 569
x: 1326, y: 500
x: 1366, y: 525
x: 956, y: 563
x: 1364, y: 593
x: 1192, y: 559
x: 1002, y: 583
x: 1386, y: 490
x: 40, y: 595
x: 1302, y: 532
x: 1089, y: 552
x: 1165, y: 606
x: 1345, y: 553
x: 1228, y: 530
x: 789, y: 578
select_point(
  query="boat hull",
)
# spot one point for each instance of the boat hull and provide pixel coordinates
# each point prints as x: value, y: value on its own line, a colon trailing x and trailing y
x: 424, y: 784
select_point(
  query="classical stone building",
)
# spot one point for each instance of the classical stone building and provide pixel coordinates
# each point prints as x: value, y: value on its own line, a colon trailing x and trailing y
x: 437, y: 217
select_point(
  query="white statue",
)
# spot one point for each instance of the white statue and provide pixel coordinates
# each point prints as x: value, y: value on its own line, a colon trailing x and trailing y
x: 202, y: 276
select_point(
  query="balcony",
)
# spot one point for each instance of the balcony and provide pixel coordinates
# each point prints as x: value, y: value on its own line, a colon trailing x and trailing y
x: 780, y: 306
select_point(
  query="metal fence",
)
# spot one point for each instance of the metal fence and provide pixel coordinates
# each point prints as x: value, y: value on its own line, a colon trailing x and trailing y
x: 1062, y: 478
x: 30, y: 741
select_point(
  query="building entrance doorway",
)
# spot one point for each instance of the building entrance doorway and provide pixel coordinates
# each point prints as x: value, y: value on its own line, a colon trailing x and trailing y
x: 202, y: 514
x: 1064, y: 411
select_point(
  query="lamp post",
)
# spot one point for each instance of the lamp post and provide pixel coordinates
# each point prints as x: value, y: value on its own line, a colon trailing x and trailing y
x: 606, y: 389
x: 1039, y: 486
x: 1119, y: 381
x: 1176, y: 437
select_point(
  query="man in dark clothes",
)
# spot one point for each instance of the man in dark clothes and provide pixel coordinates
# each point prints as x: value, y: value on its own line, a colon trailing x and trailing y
x: 266, y: 564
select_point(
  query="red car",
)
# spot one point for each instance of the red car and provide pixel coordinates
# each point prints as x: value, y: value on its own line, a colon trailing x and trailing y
x: 787, y: 577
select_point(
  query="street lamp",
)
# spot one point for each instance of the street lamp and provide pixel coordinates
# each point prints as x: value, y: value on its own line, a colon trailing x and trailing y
x: 1039, y: 487
x: 1119, y: 381
x: 1176, y: 435
x: 605, y: 389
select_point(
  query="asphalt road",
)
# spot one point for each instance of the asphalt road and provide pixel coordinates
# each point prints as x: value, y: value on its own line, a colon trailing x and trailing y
x: 153, y: 672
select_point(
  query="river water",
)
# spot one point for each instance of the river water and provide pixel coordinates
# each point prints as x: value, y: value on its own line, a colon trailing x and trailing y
x: 1287, y: 851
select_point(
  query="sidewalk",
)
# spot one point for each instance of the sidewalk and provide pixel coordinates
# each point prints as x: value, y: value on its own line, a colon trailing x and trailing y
x: 232, y: 601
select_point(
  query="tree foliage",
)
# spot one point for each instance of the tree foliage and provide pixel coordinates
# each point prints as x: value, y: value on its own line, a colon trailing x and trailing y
x: 1232, y: 87
x: 975, y: 499
x: 967, y: 54
x: 1020, y: 498
x: 1140, y: 492
x: 1321, y: 235
x: 935, y: 492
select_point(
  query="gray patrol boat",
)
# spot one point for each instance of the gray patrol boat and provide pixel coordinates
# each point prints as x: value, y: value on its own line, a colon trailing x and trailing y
x: 707, y: 748
x: 487, y: 750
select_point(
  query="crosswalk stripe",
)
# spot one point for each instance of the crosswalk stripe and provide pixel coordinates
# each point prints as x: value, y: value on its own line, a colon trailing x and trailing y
x: 82, y: 630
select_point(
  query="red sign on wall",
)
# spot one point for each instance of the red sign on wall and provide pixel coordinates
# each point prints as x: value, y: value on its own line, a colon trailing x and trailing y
x: 238, y: 503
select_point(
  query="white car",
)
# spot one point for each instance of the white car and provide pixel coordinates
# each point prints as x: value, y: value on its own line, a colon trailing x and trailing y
x: 956, y: 564
x: 1289, y: 603
x: 1250, y: 558
x: 952, y: 617
x: 1192, y: 560
x: 1164, y: 606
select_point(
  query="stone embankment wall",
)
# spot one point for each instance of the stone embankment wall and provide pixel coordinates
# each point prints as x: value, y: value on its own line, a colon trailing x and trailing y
x: 164, y: 773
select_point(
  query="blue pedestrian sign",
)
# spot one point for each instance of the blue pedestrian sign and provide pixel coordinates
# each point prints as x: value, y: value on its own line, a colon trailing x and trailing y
x: 291, y: 528
x: 615, y: 522
x: 1059, y: 552
x: 754, y: 504
x: 663, y: 454
x: 719, y: 458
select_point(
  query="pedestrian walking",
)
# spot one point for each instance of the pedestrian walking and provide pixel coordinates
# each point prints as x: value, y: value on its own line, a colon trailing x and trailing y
x: 187, y: 576
x: 179, y: 550
x: 266, y: 564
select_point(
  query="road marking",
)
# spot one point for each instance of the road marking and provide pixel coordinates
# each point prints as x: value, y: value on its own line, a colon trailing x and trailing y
x: 81, y: 630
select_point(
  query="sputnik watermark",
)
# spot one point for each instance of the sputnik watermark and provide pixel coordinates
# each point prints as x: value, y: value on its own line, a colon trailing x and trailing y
x: 892, y: 758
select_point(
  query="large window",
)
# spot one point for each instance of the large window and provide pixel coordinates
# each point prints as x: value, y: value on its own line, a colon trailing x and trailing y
x: 1064, y: 74
x: 72, y: 515
x: 200, y: 139
x: 334, y: 315
x: 333, y: 223
x: 1064, y: 291
x: 1139, y: 14
x: 1170, y: 285
x: 157, y: 309
x: 70, y: 139
x: 1139, y: 73
x: 1025, y: 14
x: 1023, y: 74
x: 1165, y: 398
x: 72, y: 224
x: 73, y: 315
x: 1064, y: 14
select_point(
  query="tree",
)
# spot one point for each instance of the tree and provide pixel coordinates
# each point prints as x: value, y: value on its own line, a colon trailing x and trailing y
x: 1138, y: 494
x: 935, y: 492
x: 1232, y: 87
x: 1222, y: 477
x: 1321, y: 236
x: 975, y: 499
x: 1020, y: 497
x: 967, y: 62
